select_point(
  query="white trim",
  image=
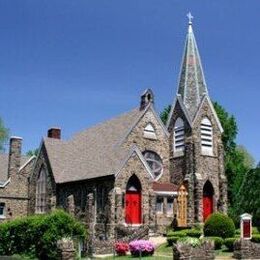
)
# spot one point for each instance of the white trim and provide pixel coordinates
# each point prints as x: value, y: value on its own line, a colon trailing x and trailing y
x: 183, y: 108
x: 166, y: 193
x: 37, y: 157
x: 206, y: 97
x: 26, y: 163
x: 16, y: 137
x: 5, y: 183
x: 136, y: 150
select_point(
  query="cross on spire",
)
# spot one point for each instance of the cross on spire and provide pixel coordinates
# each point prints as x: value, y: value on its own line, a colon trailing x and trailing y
x: 190, y: 17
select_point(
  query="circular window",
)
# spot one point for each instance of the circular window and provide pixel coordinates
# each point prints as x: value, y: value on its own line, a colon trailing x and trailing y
x: 154, y: 161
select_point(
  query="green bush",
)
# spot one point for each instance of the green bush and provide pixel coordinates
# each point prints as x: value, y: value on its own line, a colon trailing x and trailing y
x: 180, y: 233
x: 37, y: 235
x: 229, y: 243
x: 219, y: 225
x: 255, y: 238
x: 255, y: 231
x: 218, y: 241
x: 194, y: 233
x: 192, y: 241
x: 171, y: 240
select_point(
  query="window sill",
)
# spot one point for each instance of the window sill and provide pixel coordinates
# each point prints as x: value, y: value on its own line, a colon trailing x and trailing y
x: 178, y: 154
x: 2, y: 217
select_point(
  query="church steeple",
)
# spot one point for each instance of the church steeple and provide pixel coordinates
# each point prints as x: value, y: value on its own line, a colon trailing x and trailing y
x: 192, y: 84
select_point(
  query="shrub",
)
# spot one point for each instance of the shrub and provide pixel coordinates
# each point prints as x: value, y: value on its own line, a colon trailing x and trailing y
x: 171, y: 240
x: 180, y: 233
x: 194, y: 233
x: 218, y: 241
x: 255, y: 238
x: 141, y: 248
x: 219, y: 225
x: 192, y: 241
x: 229, y: 243
x: 255, y: 231
x: 37, y: 235
x: 121, y: 248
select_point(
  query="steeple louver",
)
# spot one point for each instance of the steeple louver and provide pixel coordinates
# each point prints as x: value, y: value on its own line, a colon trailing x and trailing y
x: 192, y: 84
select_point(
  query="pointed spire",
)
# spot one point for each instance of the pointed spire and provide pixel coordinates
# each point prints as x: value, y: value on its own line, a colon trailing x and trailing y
x: 192, y: 84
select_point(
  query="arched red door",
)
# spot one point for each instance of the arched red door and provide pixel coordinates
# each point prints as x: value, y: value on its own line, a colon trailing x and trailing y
x: 208, y: 193
x: 133, y: 201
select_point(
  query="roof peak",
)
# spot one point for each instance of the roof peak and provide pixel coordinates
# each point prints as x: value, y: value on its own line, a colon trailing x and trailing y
x: 192, y: 84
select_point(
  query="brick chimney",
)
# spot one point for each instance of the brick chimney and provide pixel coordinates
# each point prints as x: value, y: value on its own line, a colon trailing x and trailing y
x: 54, y: 132
x: 15, y: 150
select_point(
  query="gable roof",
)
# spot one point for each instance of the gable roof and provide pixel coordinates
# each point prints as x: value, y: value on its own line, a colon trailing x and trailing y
x: 4, y: 158
x: 204, y: 99
x: 92, y: 153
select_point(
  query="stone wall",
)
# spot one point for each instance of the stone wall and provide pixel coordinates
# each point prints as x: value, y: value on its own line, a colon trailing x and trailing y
x: 187, y: 252
x: 160, y: 145
x: 245, y: 249
x: 194, y: 168
x: 15, y: 193
x: 42, y: 162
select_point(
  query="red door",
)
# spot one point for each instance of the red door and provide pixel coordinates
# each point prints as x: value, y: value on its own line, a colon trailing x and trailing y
x: 207, y: 206
x: 133, y: 207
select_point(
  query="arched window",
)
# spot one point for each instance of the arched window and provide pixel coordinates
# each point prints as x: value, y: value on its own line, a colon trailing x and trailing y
x: 149, y: 131
x: 154, y: 161
x: 40, y: 205
x: 206, y: 134
x: 178, y: 136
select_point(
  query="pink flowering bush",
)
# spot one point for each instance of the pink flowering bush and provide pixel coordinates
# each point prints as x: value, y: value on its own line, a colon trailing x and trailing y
x: 121, y: 248
x: 141, y: 247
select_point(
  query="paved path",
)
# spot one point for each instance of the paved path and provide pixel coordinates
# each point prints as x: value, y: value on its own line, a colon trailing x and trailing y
x: 157, y: 241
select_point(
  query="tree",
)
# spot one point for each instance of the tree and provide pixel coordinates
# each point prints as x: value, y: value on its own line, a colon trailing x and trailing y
x: 248, y: 198
x: 33, y: 152
x: 4, y: 135
x: 165, y: 113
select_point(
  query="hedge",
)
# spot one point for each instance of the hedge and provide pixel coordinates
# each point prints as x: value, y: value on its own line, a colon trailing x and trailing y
x: 219, y: 225
x: 218, y: 241
x: 229, y: 243
x: 180, y: 233
x: 37, y: 235
x: 194, y: 233
x: 255, y: 238
x: 171, y: 240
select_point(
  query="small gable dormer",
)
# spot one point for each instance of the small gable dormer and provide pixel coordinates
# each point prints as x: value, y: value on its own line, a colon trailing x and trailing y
x: 146, y: 98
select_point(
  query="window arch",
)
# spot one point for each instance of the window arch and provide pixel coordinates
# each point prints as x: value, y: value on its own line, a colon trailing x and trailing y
x: 155, y: 162
x: 149, y: 131
x: 206, y: 134
x: 178, y: 136
x: 40, y: 205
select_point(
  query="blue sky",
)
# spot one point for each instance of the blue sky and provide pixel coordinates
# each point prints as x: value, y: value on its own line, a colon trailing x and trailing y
x: 73, y: 64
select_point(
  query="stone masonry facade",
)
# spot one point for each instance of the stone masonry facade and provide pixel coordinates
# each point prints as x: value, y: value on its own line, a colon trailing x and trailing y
x: 131, y: 175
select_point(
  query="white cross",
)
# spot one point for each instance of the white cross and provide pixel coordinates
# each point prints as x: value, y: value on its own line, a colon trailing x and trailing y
x: 190, y: 17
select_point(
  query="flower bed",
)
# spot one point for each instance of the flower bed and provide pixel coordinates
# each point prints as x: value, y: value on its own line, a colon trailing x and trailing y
x: 141, y: 248
x: 121, y: 248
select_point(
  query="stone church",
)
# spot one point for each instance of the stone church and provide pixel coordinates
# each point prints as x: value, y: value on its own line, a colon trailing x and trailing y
x: 131, y: 171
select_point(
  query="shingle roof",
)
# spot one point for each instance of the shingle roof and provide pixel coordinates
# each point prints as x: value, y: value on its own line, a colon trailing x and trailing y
x: 92, y: 153
x: 4, y: 165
